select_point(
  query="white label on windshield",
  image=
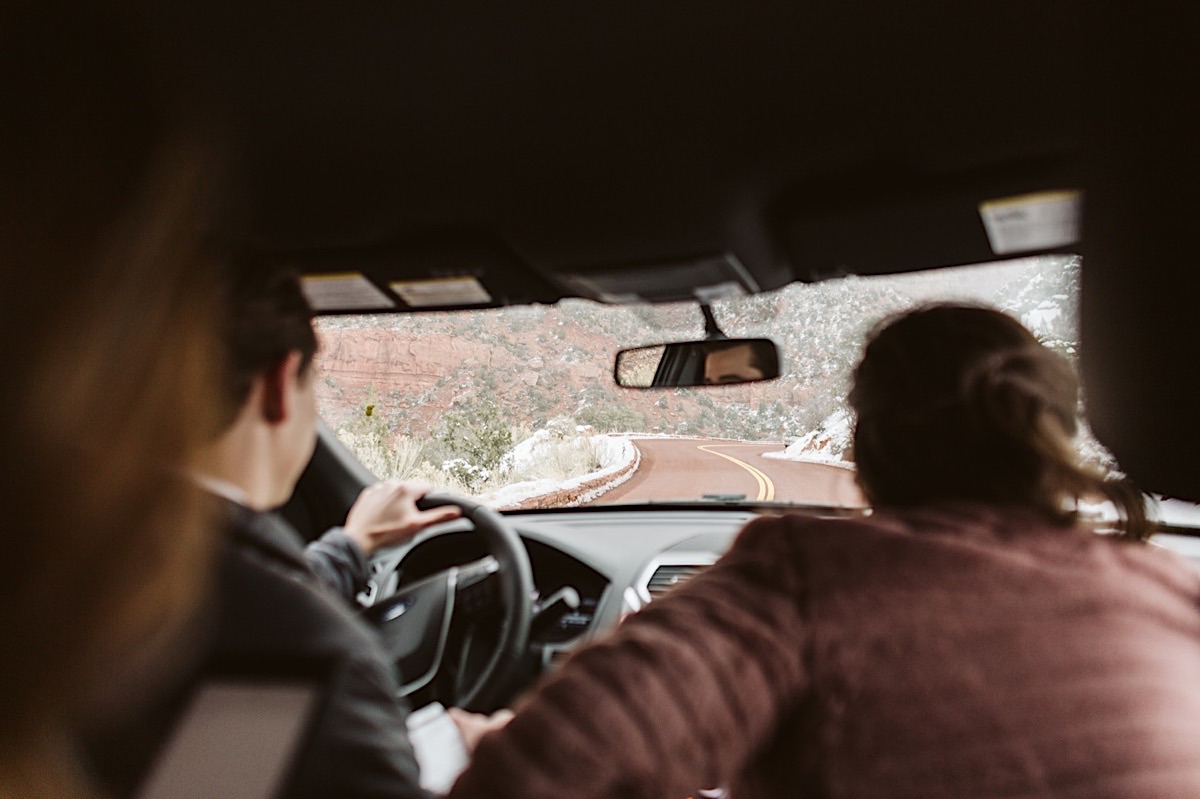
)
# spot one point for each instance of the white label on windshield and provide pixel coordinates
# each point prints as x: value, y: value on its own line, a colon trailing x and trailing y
x: 1039, y: 221
x: 344, y: 291
x: 719, y: 291
x: 442, y: 291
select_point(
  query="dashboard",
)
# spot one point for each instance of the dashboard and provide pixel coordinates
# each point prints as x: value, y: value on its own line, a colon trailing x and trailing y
x: 592, y: 567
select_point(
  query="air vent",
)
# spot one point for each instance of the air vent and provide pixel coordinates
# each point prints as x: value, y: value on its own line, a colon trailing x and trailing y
x: 667, y: 577
x: 552, y: 657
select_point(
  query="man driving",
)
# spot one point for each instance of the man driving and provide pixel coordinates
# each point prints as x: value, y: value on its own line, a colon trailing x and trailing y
x: 274, y: 600
x: 270, y: 415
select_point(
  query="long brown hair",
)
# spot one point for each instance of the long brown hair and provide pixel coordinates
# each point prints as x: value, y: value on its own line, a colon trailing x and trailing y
x: 108, y: 359
x: 962, y: 403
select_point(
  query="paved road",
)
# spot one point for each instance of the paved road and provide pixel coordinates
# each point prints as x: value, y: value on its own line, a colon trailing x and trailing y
x: 674, y: 468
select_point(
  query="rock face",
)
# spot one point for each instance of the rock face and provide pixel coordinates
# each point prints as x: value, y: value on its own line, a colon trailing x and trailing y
x: 364, y: 358
x: 412, y: 370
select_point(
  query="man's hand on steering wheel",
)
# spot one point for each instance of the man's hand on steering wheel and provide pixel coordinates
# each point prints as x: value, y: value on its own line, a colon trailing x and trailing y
x: 386, y: 515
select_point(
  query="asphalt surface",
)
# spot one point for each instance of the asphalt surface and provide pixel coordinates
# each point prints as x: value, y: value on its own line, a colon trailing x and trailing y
x: 674, y: 468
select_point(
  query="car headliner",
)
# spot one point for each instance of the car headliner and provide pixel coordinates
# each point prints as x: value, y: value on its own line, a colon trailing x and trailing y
x: 546, y: 147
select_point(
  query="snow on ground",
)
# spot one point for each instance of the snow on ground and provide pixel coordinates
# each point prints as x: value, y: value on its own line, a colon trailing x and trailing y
x: 548, y: 450
x: 828, y: 444
x: 1040, y: 318
x: 1168, y: 511
x: 1097, y: 512
x: 1175, y: 512
x: 613, y: 452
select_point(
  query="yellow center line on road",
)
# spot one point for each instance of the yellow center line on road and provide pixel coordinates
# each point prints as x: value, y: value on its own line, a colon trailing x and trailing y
x: 766, y: 489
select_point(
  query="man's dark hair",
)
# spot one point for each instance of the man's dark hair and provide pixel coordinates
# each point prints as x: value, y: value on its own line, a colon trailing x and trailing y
x: 265, y: 316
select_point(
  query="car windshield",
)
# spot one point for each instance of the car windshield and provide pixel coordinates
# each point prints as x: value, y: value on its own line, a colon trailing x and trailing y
x: 518, y: 407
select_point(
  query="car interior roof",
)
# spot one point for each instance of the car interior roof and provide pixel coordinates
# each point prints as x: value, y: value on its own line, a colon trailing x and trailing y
x: 558, y: 149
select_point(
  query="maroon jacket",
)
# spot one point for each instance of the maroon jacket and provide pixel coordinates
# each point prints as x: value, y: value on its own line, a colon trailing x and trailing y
x: 964, y: 653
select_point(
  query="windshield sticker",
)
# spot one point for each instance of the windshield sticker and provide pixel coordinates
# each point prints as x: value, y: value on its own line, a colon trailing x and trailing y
x: 1041, y: 221
x: 344, y: 291
x: 446, y: 291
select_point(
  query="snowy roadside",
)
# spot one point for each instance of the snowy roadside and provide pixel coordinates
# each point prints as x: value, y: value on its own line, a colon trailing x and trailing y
x: 828, y: 444
x: 618, y: 457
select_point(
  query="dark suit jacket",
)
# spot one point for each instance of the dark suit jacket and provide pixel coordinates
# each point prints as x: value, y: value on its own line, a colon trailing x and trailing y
x: 273, y: 605
x: 270, y: 607
x: 339, y: 563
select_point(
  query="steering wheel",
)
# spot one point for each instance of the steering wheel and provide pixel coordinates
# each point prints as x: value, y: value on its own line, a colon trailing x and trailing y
x: 416, y: 621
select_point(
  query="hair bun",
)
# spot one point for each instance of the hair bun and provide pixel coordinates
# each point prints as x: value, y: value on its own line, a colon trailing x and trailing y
x: 1008, y: 389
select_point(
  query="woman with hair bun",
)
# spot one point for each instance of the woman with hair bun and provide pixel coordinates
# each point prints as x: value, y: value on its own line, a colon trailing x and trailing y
x: 960, y: 403
x: 969, y: 638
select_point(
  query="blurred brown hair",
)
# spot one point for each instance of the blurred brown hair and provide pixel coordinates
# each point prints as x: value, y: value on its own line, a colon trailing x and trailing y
x: 962, y: 403
x: 108, y: 359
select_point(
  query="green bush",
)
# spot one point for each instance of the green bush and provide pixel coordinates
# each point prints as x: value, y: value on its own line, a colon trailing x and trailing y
x: 472, y: 441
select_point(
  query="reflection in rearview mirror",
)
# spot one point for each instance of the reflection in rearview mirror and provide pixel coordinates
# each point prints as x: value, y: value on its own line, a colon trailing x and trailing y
x: 698, y: 363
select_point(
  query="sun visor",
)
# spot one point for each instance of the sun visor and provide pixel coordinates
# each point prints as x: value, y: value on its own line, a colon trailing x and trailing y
x: 447, y: 273
x: 903, y: 223
x: 702, y: 279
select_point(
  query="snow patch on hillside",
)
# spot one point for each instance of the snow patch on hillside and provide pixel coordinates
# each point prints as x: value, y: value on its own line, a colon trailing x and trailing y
x: 829, y: 443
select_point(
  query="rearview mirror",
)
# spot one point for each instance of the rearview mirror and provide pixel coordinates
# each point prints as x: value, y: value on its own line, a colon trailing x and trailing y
x: 698, y: 363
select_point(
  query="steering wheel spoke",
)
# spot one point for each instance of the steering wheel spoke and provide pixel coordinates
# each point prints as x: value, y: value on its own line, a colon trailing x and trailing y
x: 415, y: 625
x: 477, y: 592
x: 494, y: 591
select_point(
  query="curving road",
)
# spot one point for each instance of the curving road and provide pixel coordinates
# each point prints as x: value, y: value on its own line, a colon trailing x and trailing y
x: 673, y: 468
